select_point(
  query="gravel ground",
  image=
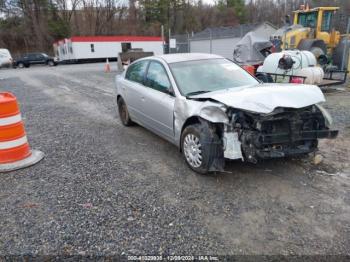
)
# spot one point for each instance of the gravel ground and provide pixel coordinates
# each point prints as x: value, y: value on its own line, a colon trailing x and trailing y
x: 107, y: 189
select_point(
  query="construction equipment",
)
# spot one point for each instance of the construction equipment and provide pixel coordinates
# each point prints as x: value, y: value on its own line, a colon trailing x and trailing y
x: 15, y: 151
x: 312, y: 30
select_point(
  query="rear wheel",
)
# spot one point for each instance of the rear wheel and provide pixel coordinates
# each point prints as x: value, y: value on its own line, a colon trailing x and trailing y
x: 124, y: 113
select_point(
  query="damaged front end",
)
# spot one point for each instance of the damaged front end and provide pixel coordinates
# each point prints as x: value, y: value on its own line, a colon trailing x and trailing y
x: 256, y: 129
x: 281, y: 133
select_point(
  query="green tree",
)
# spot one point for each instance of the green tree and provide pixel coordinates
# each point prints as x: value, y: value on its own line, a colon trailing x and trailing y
x: 238, y: 6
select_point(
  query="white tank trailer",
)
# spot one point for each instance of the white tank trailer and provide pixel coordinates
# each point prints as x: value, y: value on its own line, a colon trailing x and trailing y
x: 295, y: 63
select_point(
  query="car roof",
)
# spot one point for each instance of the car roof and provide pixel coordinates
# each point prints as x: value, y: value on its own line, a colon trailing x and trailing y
x: 182, y: 57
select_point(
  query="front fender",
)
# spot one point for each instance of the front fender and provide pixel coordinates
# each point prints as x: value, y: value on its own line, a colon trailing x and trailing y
x: 185, y: 109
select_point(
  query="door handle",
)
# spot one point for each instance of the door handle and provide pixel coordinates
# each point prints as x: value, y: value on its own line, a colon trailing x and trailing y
x: 142, y: 98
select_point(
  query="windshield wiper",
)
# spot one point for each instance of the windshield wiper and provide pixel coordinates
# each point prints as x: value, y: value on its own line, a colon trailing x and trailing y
x: 196, y: 93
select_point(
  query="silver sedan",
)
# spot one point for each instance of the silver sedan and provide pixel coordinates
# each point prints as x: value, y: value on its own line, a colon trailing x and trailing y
x: 214, y: 110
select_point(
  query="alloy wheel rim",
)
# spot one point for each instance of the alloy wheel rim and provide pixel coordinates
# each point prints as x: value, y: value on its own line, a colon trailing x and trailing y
x: 192, y: 150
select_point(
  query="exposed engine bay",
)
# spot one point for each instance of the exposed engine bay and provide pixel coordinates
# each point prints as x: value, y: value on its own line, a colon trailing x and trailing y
x: 284, y: 132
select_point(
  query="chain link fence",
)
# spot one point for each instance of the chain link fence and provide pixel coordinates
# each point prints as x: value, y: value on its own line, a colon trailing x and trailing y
x: 182, y: 44
x: 340, y: 22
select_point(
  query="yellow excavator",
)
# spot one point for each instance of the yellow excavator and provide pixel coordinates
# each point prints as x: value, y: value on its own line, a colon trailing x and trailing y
x: 313, y: 30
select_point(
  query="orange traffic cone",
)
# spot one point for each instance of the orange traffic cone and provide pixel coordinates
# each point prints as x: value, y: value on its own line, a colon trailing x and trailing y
x: 107, y: 67
x: 15, y: 151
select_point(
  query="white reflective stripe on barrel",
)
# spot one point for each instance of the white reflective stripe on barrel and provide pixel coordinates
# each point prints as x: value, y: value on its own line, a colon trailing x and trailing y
x: 10, y: 120
x: 13, y: 143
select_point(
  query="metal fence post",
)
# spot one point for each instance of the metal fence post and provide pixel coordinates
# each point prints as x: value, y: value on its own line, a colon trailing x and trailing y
x: 162, y: 33
x: 188, y: 43
x: 169, y: 41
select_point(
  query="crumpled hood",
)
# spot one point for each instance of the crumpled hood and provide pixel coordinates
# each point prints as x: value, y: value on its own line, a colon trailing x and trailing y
x: 264, y: 98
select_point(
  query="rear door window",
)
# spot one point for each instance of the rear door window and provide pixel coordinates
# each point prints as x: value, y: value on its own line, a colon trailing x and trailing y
x: 136, y: 71
x: 39, y: 57
x: 157, y: 77
x: 31, y: 57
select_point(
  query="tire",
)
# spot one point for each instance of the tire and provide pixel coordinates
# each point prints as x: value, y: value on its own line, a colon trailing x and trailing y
x: 320, y: 55
x: 317, y: 47
x: 124, y: 113
x: 20, y: 65
x: 308, y: 44
x: 50, y: 63
x: 202, y: 149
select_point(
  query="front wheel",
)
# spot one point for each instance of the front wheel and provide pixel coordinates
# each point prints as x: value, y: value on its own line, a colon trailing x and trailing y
x: 50, y: 63
x: 202, y: 149
x: 20, y: 65
x: 124, y: 113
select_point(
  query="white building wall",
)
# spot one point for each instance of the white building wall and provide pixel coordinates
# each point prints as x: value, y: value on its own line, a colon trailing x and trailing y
x: 200, y: 46
x: 83, y: 50
x: 223, y: 47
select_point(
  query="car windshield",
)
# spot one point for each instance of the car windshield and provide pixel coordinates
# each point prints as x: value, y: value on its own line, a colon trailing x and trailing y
x: 201, y: 76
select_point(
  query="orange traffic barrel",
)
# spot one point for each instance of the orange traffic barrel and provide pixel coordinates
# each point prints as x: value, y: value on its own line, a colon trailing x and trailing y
x: 15, y: 151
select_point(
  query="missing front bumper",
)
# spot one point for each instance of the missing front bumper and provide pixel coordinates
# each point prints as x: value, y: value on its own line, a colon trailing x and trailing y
x: 257, y: 146
x: 268, y: 139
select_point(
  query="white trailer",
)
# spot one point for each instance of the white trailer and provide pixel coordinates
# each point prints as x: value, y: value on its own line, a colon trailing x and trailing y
x: 78, y: 48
